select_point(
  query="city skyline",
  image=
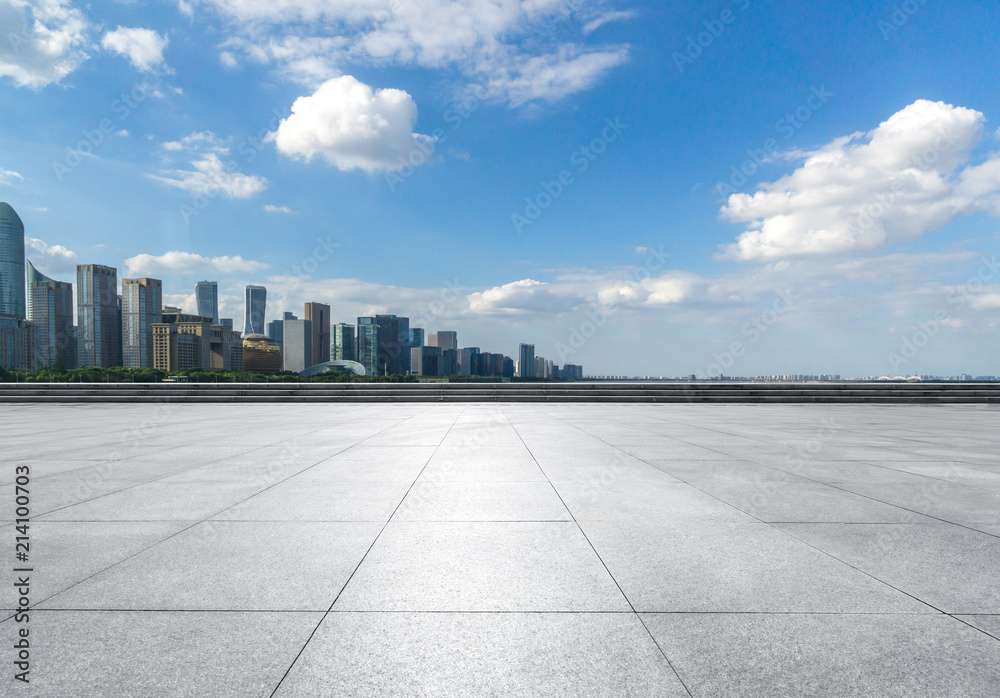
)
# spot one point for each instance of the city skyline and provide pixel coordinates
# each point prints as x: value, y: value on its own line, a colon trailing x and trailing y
x: 627, y: 165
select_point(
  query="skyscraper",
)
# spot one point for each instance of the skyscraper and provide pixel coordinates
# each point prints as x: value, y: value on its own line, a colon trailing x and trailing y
x: 319, y: 315
x: 416, y: 337
x: 344, y: 345
x: 50, y: 308
x: 526, y: 361
x: 445, y: 340
x: 254, y: 306
x: 11, y: 263
x: 368, y: 344
x: 296, y: 347
x: 276, y: 328
x: 206, y: 296
x: 142, y: 306
x: 393, y: 345
x: 98, y: 335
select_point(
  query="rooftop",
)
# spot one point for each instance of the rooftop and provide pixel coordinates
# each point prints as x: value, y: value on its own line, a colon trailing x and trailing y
x: 360, y: 549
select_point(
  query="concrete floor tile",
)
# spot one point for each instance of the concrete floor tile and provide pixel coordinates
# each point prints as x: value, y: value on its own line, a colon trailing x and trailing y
x: 431, y: 500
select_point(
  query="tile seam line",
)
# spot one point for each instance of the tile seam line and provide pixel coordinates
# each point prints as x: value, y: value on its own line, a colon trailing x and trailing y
x: 186, y: 528
x: 364, y: 557
x: 603, y: 563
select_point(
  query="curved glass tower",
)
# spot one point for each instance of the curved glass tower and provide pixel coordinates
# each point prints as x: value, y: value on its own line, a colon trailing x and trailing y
x: 11, y: 262
x: 206, y: 294
x: 33, y: 276
x: 254, y: 304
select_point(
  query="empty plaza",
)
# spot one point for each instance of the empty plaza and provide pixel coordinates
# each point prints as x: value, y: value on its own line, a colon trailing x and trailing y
x: 502, y: 549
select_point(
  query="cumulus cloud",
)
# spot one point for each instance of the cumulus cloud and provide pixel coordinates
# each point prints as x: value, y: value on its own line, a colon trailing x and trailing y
x: 7, y: 177
x: 190, y: 263
x: 44, y: 41
x: 50, y: 259
x: 351, y: 126
x: 277, y: 209
x: 909, y: 176
x: 143, y: 47
x: 486, y: 40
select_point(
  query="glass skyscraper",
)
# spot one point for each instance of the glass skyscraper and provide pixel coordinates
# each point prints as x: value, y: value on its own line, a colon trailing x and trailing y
x: 50, y: 307
x: 393, y: 345
x: 11, y: 263
x: 98, y: 336
x: 254, y: 306
x: 368, y: 344
x: 206, y: 295
x: 344, y: 346
x: 142, y: 305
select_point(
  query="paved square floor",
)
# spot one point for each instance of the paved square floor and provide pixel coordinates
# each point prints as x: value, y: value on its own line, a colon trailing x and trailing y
x: 527, y: 549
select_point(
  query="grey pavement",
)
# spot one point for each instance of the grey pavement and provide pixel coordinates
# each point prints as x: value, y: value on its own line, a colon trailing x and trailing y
x: 504, y: 549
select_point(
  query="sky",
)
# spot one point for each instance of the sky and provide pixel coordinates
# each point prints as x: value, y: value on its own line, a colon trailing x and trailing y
x: 643, y: 188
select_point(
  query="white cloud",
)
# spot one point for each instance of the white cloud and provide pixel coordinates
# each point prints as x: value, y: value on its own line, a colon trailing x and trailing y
x: 277, y: 209
x: 909, y: 176
x: 486, y: 40
x: 143, y: 47
x: 123, y: 133
x: 606, y: 18
x: 198, y: 141
x: 7, y: 177
x: 190, y: 263
x: 50, y: 259
x: 210, y: 177
x: 43, y: 42
x: 352, y: 126
x: 557, y: 75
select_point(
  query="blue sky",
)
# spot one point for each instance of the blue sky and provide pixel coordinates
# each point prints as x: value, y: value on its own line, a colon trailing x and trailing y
x: 274, y: 142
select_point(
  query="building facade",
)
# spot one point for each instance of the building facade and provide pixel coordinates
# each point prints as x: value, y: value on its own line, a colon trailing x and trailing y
x: 445, y: 340
x: 17, y: 343
x: 254, y: 309
x: 51, y: 311
x: 319, y: 315
x: 188, y: 342
x: 393, y: 345
x: 206, y: 296
x: 275, y: 328
x: 416, y: 337
x: 142, y: 307
x: 261, y: 354
x: 98, y: 334
x: 368, y: 344
x: 344, y: 345
x: 296, y: 348
x: 12, y: 301
x: 526, y: 361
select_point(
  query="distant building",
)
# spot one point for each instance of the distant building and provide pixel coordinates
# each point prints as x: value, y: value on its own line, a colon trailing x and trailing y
x: 226, y: 322
x: 445, y: 340
x: 344, y: 347
x: 424, y: 361
x: 319, y: 315
x: 368, y: 344
x: 508, y: 367
x: 17, y: 343
x: 50, y: 308
x: 275, y: 328
x: 571, y: 372
x: 489, y: 365
x: 393, y: 345
x: 467, y: 361
x: 526, y: 361
x: 296, y: 349
x: 261, y: 354
x: 98, y: 335
x: 12, y: 301
x: 142, y: 307
x: 206, y: 296
x: 183, y: 342
x: 254, y: 310
x: 416, y: 337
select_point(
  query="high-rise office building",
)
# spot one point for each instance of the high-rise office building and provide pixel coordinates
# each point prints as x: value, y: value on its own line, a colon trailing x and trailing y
x: 50, y: 308
x: 467, y: 361
x: 98, y: 334
x: 142, y: 307
x: 191, y: 341
x: 416, y: 337
x: 424, y: 361
x: 275, y: 328
x: 12, y: 301
x: 296, y: 345
x: 226, y: 322
x: 254, y: 307
x: 368, y: 344
x: 17, y: 343
x: 319, y: 315
x: 206, y: 296
x: 393, y: 345
x: 344, y: 345
x: 445, y: 340
x: 526, y: 361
